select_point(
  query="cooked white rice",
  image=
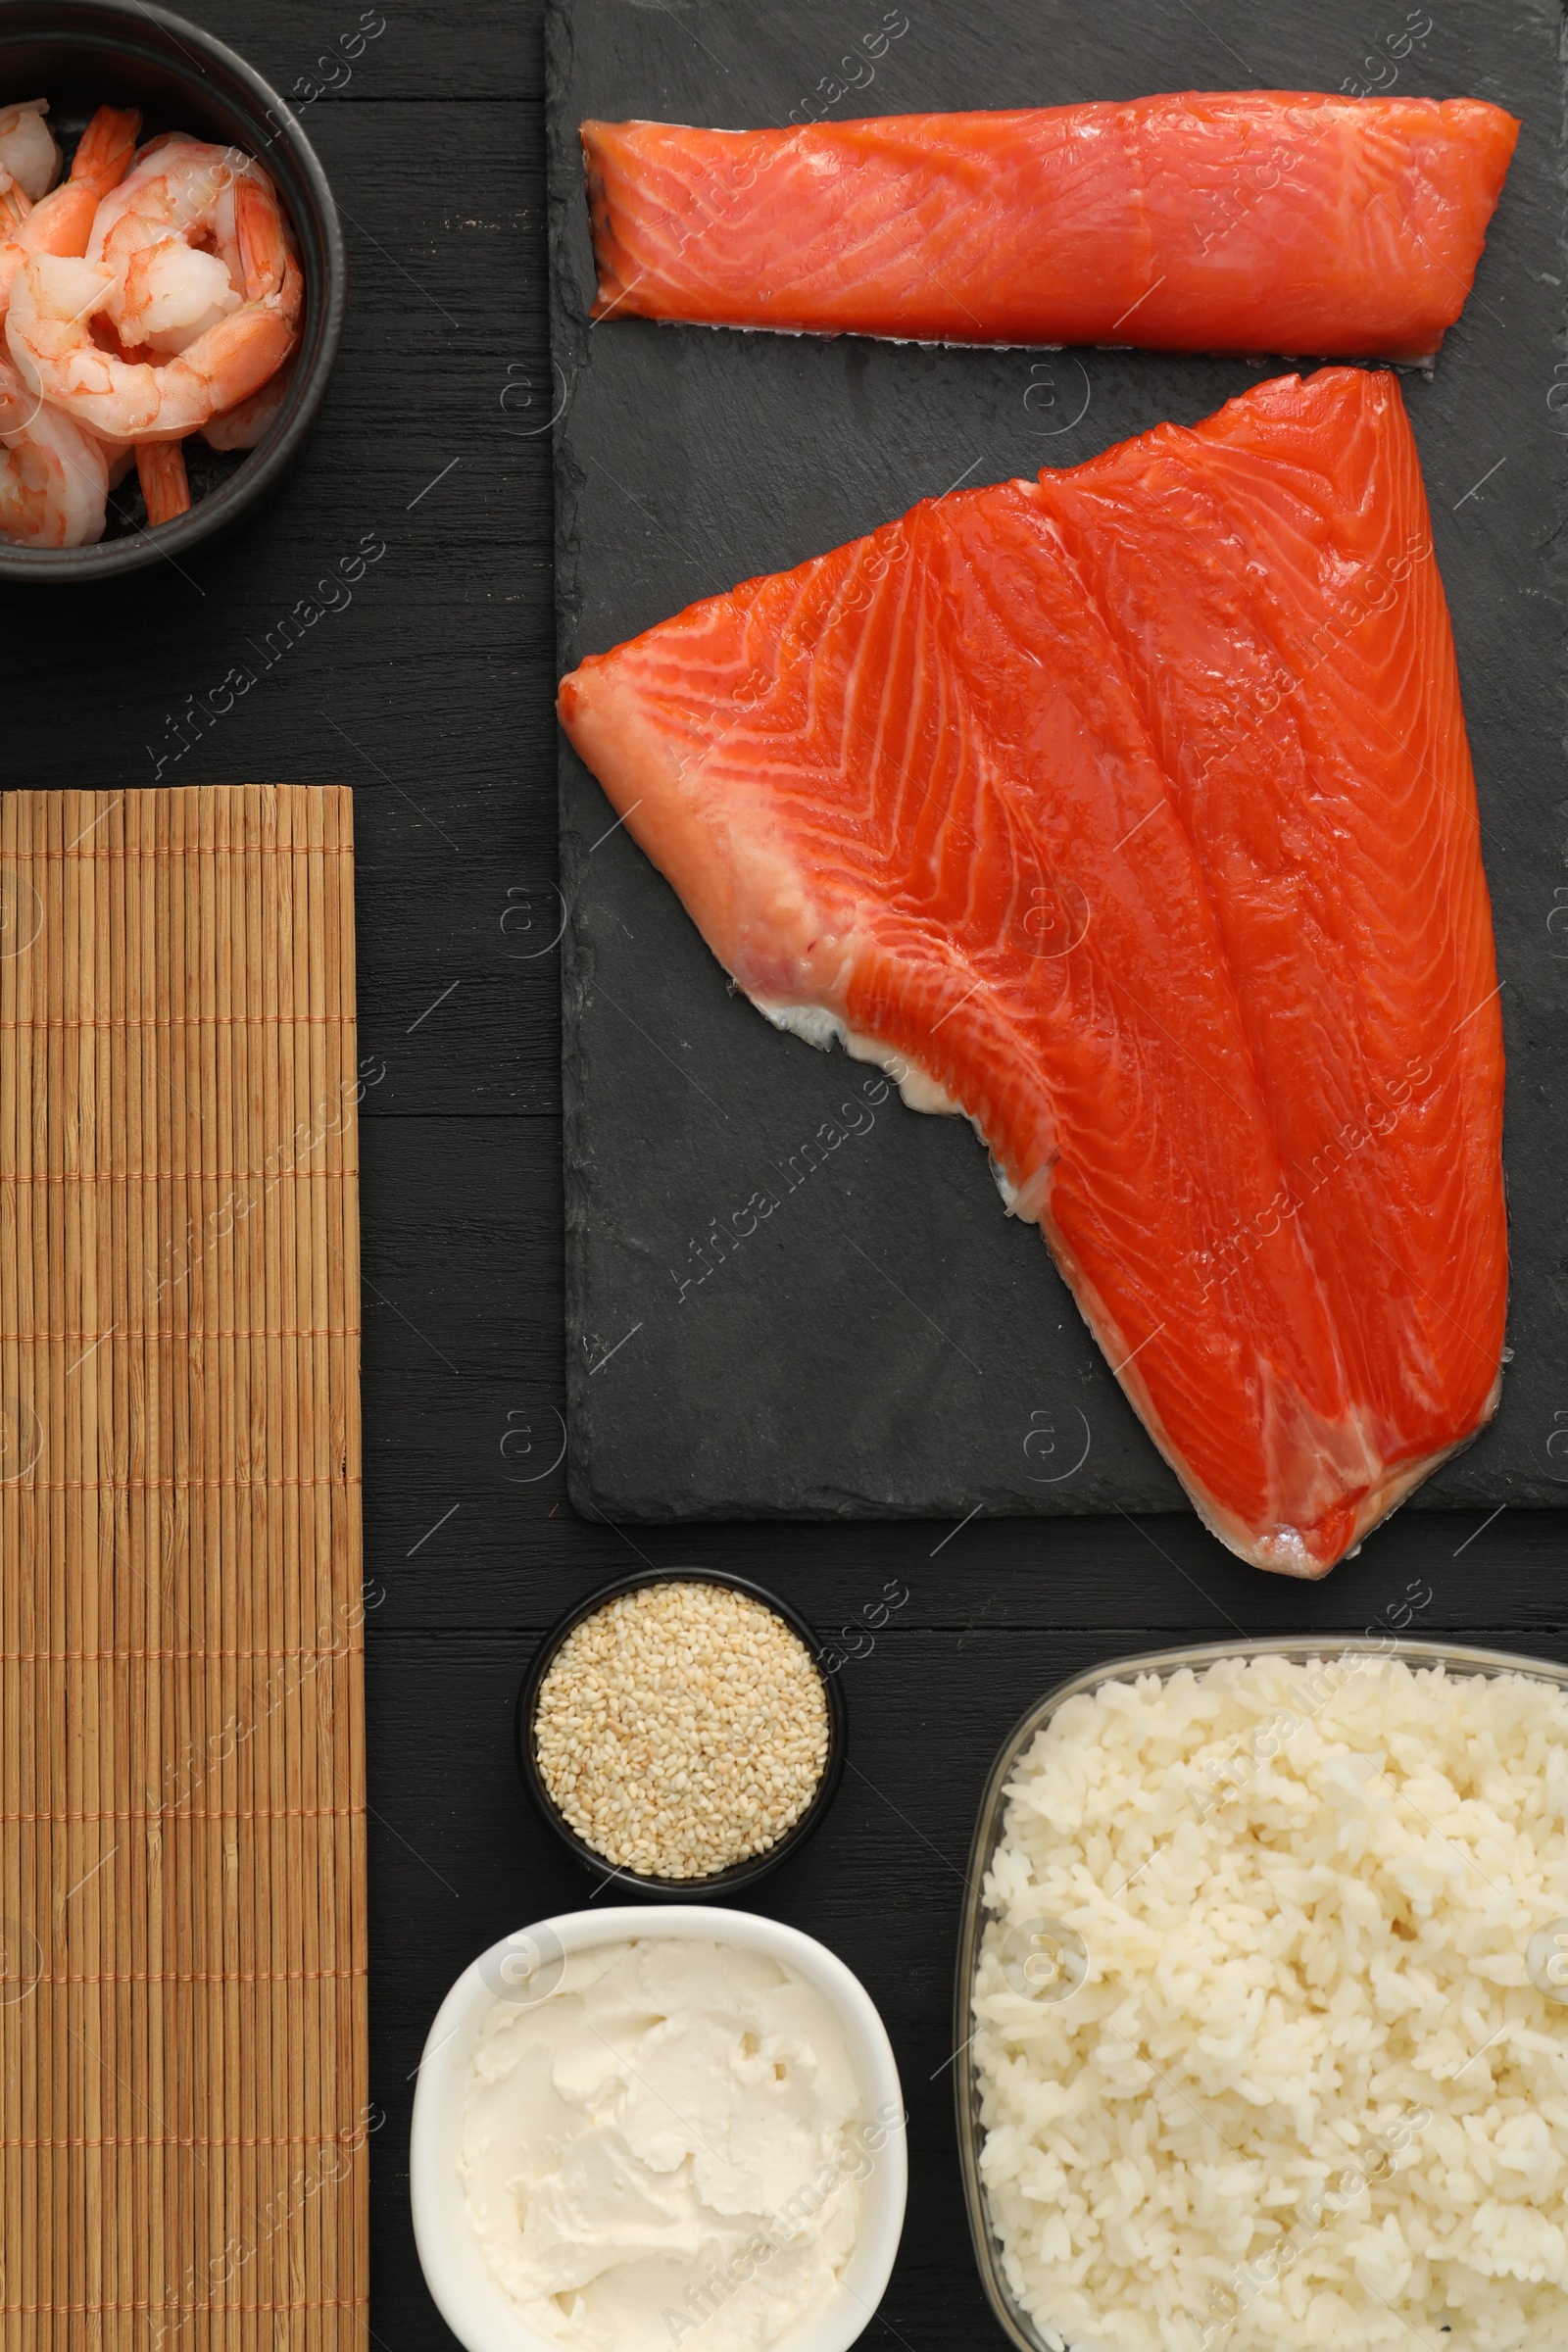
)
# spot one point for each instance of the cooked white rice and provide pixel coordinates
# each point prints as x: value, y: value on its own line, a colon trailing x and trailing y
x: 1308, y: 2089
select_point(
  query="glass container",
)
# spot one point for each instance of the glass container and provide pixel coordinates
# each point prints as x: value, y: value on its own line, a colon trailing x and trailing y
x: 1014, y: 2321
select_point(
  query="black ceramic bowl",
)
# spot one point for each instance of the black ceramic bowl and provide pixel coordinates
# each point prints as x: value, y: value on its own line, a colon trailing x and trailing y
x: 83, y: 54
x: 720, y: 1884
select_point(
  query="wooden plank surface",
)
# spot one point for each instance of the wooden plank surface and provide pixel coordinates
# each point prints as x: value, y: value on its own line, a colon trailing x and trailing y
x: 183, y: 2101
x: 432, y: 695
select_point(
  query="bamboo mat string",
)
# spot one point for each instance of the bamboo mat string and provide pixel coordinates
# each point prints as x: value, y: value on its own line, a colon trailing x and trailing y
x: 182, y: 1951
x: 14, y: 911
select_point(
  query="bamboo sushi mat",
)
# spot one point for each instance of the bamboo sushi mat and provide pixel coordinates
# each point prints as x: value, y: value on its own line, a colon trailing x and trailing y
x: 182, y: 1990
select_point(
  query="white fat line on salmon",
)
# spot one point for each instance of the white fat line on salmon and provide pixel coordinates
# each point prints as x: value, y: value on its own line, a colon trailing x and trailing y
x: 953, y: 1009
x: 1236, y: 203
x: 1466, y: 805
x: 1475, y: 1009
x: 873, y: 558
x: 1278, y: 681
x: 1468, y: 293
x: 1245, y: 1240
x: 1488, y: 1353
x: 756, y: 690
x: 725, y: 205
x: 724, y: 193
x: 1349, y: 610
x: 202, y: 714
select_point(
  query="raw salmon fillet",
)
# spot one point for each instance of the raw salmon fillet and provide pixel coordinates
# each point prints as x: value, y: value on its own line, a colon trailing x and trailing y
x: 1241, y: 220
x: 1131, y: 813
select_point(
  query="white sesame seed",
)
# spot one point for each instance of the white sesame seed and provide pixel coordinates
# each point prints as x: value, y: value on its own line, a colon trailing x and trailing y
x: 664, y: 1718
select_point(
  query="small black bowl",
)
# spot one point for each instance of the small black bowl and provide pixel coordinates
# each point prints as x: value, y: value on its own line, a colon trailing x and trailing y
x: 720, y: 1884
x: 83, y: 54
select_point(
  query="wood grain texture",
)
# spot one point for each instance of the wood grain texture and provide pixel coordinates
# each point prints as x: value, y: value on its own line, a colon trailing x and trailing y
x: 441, y: 676
x: 184, y: 2096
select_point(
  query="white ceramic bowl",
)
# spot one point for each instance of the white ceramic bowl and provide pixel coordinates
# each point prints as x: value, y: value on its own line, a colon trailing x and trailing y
x: 469, y: 2297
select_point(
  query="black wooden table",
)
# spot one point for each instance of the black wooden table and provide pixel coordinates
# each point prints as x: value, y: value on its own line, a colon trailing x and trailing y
x: 432, y: 694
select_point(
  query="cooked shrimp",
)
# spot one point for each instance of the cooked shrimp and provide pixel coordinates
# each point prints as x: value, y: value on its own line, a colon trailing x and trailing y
x: 27, y: 150
x: 15, y: 206
x: 53, y: 477
x: 63, y: 221
x: 53, y: 301
x: 248, y: 426
x: 164, y: 485
x: 119, y: 456
x: 168, y: 233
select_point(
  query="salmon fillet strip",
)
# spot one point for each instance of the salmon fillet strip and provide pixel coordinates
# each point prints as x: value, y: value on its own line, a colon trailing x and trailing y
x: 1132, y: 809
x: 1229, y: 221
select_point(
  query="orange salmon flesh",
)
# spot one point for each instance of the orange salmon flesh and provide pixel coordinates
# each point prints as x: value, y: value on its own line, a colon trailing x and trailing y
x: 1226, y: 221
x: 1130, y: 810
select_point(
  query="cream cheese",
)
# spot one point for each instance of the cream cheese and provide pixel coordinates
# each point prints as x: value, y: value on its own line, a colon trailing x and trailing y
x: 671, y: 2143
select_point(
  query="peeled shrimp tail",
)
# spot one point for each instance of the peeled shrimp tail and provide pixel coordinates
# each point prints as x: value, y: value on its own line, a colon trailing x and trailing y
x: 15, y: 206
x: 264, y: 254
x: 164, y: 486
x: 272, y: 277
x: 103, y: 152
x: 62, y: 223
x: 248, y: 426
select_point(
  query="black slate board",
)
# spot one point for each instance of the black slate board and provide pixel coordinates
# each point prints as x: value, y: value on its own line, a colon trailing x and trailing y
x: 432, y: 694
x: 885, y: 1341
